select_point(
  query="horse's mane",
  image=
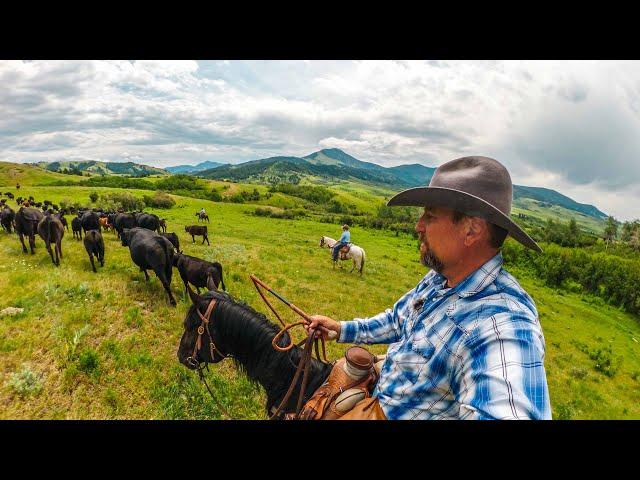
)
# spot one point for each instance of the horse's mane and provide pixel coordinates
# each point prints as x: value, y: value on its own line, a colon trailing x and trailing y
x: 249, y: 334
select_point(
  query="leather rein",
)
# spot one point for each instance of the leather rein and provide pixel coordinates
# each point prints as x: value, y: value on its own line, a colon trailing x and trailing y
x: 304, y: 365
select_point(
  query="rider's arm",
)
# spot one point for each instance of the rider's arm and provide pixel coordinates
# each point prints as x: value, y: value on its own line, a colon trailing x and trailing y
x: 500, y: 374
x: 386, y: 327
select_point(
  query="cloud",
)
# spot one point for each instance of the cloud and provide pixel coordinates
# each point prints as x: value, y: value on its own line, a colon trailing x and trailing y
x: 569, y: 124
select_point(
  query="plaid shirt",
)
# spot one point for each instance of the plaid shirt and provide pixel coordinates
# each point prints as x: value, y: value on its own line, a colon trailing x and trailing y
x: 474, y: 351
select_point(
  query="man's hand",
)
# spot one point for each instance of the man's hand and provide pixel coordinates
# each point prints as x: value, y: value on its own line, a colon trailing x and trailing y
x: 326, y: 326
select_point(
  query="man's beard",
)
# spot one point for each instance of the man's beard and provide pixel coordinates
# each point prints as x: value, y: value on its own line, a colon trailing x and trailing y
x: 429, y: 259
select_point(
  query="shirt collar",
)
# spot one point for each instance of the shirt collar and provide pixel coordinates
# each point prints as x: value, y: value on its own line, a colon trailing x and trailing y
x: 481, y: 278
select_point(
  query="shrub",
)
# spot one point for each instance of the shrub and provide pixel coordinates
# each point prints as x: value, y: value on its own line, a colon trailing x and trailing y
x: 605, y: 361
x: 215, y: 196
x: 159, y: 200
x: 124, y: 200
x: 25, y: 382
x: 94, y: 197
x: 88, y: 361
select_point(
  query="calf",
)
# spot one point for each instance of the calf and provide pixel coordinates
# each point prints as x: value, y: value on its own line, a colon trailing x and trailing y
x: 198, y: 272
x: 7, y: 217
x: 197, y: 230
x: 26, y: 223
x: 163, y: 225
x: 94, y: 245
x: 150, y: 250
x: 173, y: 238
x: 63, y: 220
x: 76, y: 228
x: 51, y: 231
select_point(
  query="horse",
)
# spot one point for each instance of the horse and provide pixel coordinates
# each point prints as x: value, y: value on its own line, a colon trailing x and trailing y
x: 202, y: 216
x: 356, y: 253
x: 237, y: 331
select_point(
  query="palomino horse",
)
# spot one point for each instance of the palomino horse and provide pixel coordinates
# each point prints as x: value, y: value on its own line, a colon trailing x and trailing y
x: 237, y: 331
x: 356, y: 253
x: 202, y: 216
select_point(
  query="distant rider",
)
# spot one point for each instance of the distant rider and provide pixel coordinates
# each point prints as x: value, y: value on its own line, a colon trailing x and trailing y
x: 344, y: 240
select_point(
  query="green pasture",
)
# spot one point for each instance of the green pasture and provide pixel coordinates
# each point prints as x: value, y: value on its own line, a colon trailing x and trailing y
x: 103, y: 345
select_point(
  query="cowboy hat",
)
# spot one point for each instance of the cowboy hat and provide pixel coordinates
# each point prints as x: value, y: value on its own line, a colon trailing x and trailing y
x: 475, y: 186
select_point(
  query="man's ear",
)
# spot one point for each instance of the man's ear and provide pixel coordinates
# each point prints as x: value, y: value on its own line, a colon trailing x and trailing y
x: 475, y: 230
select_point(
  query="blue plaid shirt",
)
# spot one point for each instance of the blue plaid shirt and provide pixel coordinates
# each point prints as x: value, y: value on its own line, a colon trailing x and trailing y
x: 474, y: 351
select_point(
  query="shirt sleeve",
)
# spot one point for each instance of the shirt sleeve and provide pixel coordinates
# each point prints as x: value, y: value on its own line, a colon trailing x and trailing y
x: 501, y: 374
x: 386, y: 327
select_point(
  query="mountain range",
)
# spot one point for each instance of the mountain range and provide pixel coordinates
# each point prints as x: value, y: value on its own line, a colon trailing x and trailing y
x: 333, y: 163
x: 194, y: 168
x: 102, y: 168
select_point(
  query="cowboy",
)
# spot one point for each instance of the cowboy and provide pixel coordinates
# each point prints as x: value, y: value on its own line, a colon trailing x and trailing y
x: 466, y: 342
x: 202, y: 212
x: 345, y: 238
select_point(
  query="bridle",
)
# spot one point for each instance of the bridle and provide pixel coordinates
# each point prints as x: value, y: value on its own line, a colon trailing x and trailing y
x: 193, y: 359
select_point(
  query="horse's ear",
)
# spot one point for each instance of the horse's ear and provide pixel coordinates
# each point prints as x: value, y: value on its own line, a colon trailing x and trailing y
x: 195, y: 298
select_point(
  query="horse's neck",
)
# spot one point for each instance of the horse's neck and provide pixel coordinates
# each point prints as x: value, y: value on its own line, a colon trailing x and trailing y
x: 274, y: 370
x: 330, y: 242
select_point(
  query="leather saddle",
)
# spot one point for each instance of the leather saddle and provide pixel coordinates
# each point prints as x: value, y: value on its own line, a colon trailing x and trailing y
x: 352, y: 379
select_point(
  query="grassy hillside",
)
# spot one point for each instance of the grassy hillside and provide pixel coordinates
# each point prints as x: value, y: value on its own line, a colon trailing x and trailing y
x: 104, y: 345
x: 25, y: 174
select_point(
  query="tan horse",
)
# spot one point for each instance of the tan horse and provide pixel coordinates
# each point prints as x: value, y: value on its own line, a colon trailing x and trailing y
x: 355, y: 253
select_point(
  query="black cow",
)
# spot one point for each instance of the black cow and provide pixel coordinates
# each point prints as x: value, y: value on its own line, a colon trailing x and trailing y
x: 194, y: 230
x: 7, y: 217
x: 173, y: 238
x: 94, y: 245
x: 63, y: 220
x: 198, y: 272
x: 150, y: 250
x: 9, y: 195
x: 90, y: 221
x: 51, y: 231
x: 76, y: 228
x: 149, y: 221
x: 163, y: 225
x: 26, y: 222
x: 124, y: 220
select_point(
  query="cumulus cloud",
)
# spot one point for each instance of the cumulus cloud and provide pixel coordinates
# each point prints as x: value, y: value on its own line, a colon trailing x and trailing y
x: 570, y: 126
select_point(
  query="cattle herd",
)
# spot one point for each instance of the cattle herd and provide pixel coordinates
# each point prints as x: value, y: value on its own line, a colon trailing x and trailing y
x: 145, y: 234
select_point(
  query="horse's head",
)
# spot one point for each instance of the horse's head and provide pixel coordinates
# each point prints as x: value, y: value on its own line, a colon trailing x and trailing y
x: 211, y: 344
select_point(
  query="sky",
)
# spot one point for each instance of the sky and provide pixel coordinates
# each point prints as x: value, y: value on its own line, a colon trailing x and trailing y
x: 572, y: 126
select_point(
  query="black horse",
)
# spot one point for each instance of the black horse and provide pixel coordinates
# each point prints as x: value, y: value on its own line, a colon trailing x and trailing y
x: 245, y: 335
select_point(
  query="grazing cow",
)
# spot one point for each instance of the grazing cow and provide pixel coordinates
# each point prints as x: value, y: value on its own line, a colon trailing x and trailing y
x: 173, y: 238
x: 124, y: 220
x: 9, y: 195
x: 149, y: 221
x: 150, y: 250
x: 26, y: 223
x: 7, y: 217
x: 51, y: 231
x: 94, y: 245
x: 194, y: 230
x: 198, y: 272
x: 163, y: 225
x: 90, y: 221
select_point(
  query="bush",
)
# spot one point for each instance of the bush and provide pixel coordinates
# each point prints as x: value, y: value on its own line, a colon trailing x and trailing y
x: 215, y: 196
x: 25, y: 382
x: 159, y: 200
x: 123, y: 200
x: 94, y: 197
